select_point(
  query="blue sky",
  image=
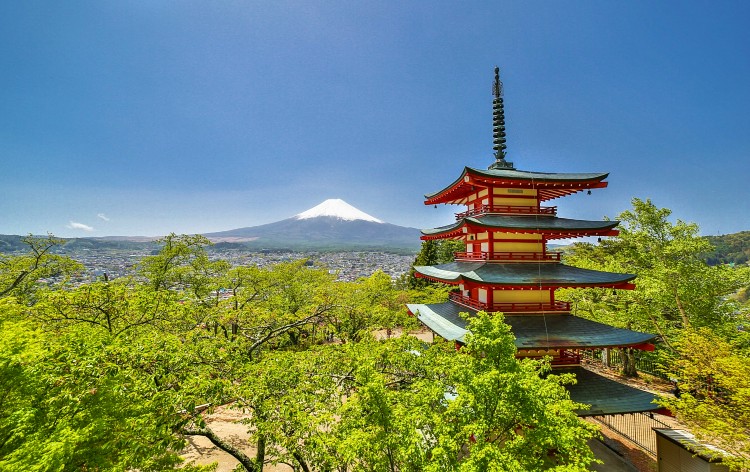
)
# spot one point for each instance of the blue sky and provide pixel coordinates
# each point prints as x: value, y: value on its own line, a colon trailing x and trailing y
x: 150, y: 117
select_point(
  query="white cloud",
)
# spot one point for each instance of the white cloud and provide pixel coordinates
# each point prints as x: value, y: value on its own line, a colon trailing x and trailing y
x: 102, y: 216
x: 75, y: 225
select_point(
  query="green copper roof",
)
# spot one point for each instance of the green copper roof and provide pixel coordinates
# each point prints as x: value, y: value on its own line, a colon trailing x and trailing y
x: 549, y: 331
x: 545, y: 274
x: 514, y: 174
x: 538, y: 177
x: 605, y: 396
x: 538, y: 223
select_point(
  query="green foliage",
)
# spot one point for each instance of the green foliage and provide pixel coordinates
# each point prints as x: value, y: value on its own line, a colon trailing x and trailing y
x: 20, y: 274
x: 178, y: 263
x: 675, y: 288
x: 689, y: 304
x: 517, y: 419
x: 108, y: 375
x: 76, y: 400
x: 730, y: 248
x: 715, y: 393
x: 433, y: 252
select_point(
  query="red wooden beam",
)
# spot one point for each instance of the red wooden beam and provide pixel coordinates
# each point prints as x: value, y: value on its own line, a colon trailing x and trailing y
x: 644, y: 347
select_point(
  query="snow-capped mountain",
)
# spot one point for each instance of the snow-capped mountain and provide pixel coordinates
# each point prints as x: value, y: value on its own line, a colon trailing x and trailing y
x: 336, y: 208
x: 333, y: 224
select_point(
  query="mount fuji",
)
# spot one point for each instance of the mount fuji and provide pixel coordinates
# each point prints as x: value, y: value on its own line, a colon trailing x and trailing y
x: 333, y: 224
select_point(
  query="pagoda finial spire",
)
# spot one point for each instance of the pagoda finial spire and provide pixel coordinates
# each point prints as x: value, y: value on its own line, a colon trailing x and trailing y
x: 498, y: 125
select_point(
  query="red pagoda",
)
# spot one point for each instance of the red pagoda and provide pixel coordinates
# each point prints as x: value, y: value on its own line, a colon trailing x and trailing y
x: 506, y: 267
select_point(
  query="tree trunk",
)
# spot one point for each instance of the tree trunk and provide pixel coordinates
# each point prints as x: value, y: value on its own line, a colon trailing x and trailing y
x: 628, y: 363
x: 247, y: 463
x: 301, y: 461
x: 260, y: 456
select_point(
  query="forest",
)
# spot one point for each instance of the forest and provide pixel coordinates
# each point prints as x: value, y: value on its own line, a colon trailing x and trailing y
x: 117, y: 374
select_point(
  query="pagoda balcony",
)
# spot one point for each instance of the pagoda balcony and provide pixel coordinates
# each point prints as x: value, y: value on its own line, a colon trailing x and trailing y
x: 469, y: 302
x: 508, y: 210
x: 567, y: 358
x: 507, y: 256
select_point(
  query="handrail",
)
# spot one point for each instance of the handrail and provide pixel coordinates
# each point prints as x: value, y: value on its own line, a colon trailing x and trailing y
x: 466, y: 301
x: 508, y: 209
x: 508, y: 307
x: 507, y: 256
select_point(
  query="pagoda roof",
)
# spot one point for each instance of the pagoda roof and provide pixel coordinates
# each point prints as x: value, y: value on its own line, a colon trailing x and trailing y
x: 549, y: 185
x: 542, y: 274
x: 550, y: 226
x: 549, y: 331
x: 606, y: 396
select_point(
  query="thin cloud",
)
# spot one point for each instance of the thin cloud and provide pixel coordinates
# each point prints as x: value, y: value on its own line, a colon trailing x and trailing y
x: 75, y: 225
x: 102, y: 216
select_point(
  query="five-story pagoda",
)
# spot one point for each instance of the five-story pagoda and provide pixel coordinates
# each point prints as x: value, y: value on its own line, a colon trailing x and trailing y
x: 507, y: 268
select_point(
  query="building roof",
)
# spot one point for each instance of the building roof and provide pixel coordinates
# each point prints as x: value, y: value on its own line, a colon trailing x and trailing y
x: 688, y: 441
x: 542, y: 274
x: 605, y: 396
x: 549, y: 331
x: 550, y: 226
x: 549, y: 185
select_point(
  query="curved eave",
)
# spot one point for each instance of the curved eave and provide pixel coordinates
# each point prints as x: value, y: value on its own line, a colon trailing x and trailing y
x: 549, y: 275
x: 548, y: 185
x: 533, y: 332
x: 605, y: 396
x: 550, y: 227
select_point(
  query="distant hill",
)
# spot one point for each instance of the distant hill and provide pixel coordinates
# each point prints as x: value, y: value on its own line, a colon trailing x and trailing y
x: 730, y: 248
x: 14, y: 243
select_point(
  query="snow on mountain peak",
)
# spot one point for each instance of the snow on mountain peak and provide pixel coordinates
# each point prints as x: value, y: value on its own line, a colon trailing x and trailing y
x: 336, y: 208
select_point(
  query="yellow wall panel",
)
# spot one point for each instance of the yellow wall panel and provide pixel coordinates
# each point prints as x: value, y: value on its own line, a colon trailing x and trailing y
x: 514, y: 191
x: 521, y: 296
x: 525, y: 236
x: 514, y: 201
x: 520, y: 246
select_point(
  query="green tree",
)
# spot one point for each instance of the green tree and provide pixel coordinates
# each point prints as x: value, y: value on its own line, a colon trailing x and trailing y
x: 675, y: 288
x: 364, y: 305
x: 19, y: 274
x: 715, y: 393
x: 412, y: 408
x: 80, y: 399
x: 174, y: 266
x: 433, y: 252
x: 110, y: 375
x: 514, y: 417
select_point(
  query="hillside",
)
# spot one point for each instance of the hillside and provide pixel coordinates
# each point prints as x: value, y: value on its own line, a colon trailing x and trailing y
x: 730, y: 248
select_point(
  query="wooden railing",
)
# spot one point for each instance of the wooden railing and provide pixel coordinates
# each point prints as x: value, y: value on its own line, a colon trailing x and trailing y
x: 506, y: 256
x: 462, y: 299
x: 508, y: 209
x: 567, y: 358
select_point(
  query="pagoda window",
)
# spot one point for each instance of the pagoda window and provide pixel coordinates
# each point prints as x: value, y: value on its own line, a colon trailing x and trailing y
x: 485, y: 247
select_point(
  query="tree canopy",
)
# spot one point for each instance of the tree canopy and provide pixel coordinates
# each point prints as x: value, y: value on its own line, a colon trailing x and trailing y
x: 702, y: 328
x: 116, y: 374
